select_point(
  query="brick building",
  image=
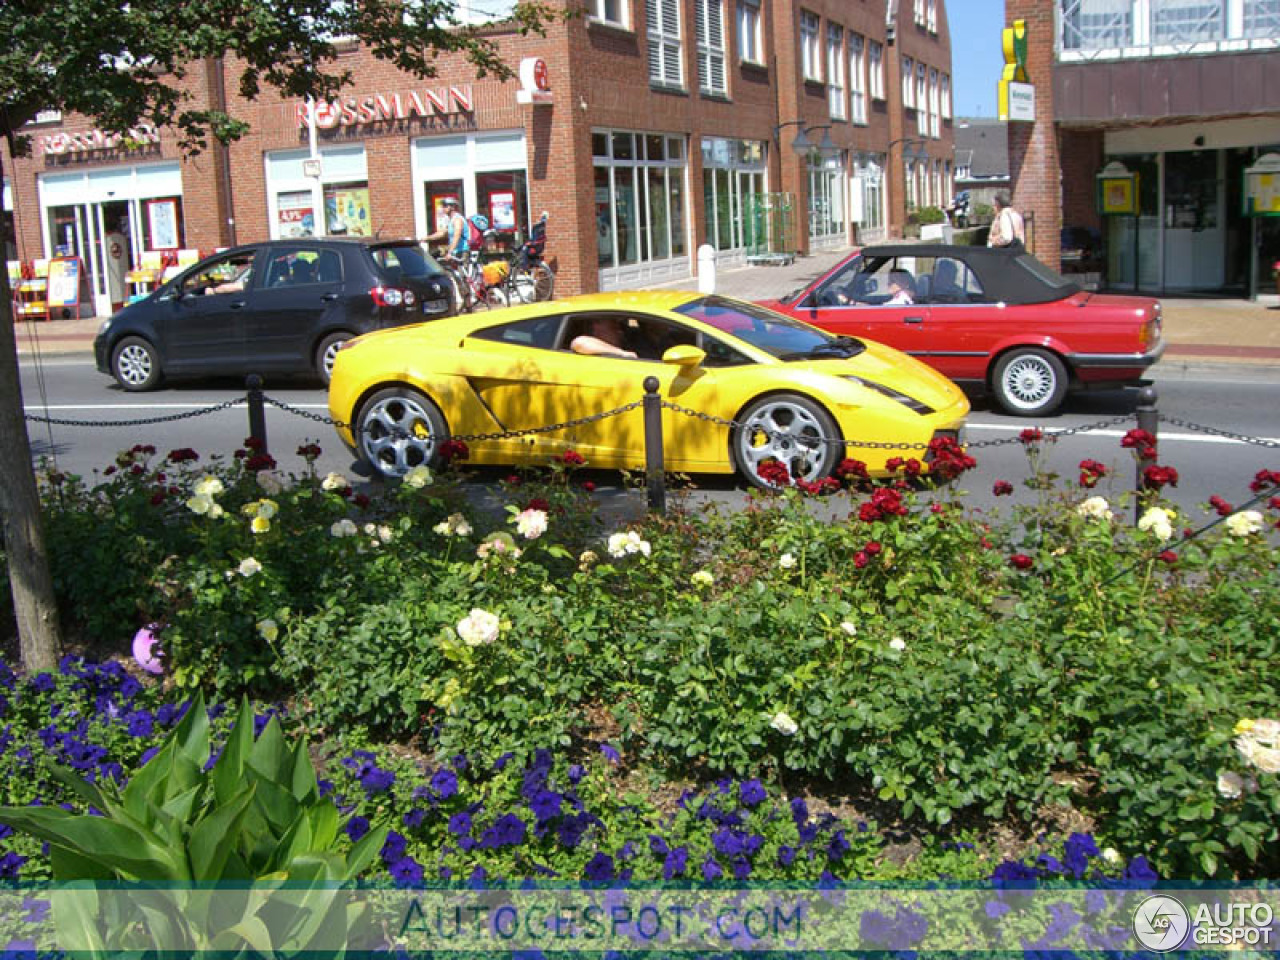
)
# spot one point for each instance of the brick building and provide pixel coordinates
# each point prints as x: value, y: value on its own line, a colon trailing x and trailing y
x: 644, y: 128
x: 1181, y: 92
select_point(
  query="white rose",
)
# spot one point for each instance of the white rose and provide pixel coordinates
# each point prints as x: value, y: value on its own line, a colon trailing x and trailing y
x: 208, y: 486
x: 897, y: 643
x: 1244, y: 523
x: 703, y: 578
x: 850, y: 628
x: 1159, y: 522
x: 1111, y: 855
x: 215, y: 510
x: 268, y: 630
x: 478, y: 627
x: 784, y: 724
x: 418, y: 478
x: 334, y: 481
x: 531, y: 524
x: 1096, y: 508
x: 786, y: 561
x: 270, y: 482
x: 248, y: 567
x: 1230, y: 785
x: 343, y: 528
x: 200, y: 504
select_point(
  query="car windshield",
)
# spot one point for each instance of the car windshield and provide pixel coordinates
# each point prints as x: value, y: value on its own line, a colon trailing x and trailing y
x: 406, y: 260
x: 768, y: 331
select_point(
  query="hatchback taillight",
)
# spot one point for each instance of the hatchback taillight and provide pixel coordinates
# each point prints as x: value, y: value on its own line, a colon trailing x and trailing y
x: 388, y: 296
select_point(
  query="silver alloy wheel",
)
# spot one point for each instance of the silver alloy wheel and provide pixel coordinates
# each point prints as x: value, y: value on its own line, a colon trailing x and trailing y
x: 396, y: 435
x: 134, y: 364
x: 330, y: 355
x: 1028, y: 382
x: 785, y: 431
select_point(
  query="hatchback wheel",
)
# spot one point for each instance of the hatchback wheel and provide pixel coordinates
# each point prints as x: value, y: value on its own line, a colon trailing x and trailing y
x: 135, y: 364
x: 399, y: 429
x: 1029, y: 382
x: 327, y: 353
x: 789, y: 429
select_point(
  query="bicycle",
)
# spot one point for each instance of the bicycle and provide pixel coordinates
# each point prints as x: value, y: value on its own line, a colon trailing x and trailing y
x: 530, y: 278
x: 471, y: 290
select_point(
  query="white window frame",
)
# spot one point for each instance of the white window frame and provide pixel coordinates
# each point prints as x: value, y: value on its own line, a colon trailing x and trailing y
x: 931, y: 15
x: 857, y: 78
x: 810, y: 49
x: 919, y: 12
x: 922, y: 99
x: 665, y: 50
x: 908, y: 82
x: 836, y: 102
x: 935, y: 110
x: 600, y: 9
x: 946, y: 96
x: 709, y: 26
x: 750, y: 44
x: 875, y: 69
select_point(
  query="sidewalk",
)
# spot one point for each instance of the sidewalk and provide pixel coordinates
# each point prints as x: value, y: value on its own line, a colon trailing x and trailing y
x: 1198, y: 331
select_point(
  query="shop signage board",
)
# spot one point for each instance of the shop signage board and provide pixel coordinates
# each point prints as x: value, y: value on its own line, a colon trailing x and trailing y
x: 384, y: 107
x: 1117, y: 190
x: 1016, y: 96
x: 535, y: 81
x: 1262, y: 187
x: 63, y: 296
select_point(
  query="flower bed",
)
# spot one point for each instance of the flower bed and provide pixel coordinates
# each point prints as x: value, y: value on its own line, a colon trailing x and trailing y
x: 964, y: 676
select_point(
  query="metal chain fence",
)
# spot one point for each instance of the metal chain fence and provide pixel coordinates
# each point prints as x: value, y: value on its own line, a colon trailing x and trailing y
x: 256, y: 400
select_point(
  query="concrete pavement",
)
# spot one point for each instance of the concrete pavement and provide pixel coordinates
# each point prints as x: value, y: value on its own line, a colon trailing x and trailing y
x: 1198, y: 331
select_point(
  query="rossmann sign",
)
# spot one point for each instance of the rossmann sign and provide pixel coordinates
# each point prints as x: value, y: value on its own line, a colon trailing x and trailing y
x: 86, y: 141
x: 383, y: 107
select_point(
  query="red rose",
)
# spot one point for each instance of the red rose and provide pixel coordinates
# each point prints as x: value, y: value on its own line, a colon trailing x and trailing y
x: 588, y: 486
x: 571, y: 458
x: 774, y: 473
x: 860, y: 559
x: 868, y: 513
x: 157, y: 498
x: 912, y: 467
x: 360, y: 500
x: 851, y: 468
x: 872, y: 548
x: 1155, y: 477
x: 1224, y: 509
x: 892, y: 464
x: 1021, y: 561
x: 253, y: 443
x: 260, y: 461
x: 1090, y: 472
x: 1031, y: 435
x: 309, y: 451
x: 1002, y: 488
x: 537, y: 503
x: 452, y: 450
x: 513, y: 480
x: 1168, y: 556
x: 1264, y: 479
x: 183, y: 455
x: 1137, y: 438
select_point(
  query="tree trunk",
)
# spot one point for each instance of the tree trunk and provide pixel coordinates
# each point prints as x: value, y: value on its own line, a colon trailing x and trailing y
x: 33, y: 599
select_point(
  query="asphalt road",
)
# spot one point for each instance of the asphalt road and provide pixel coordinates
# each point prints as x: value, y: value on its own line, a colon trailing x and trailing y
x: 1241, y: 400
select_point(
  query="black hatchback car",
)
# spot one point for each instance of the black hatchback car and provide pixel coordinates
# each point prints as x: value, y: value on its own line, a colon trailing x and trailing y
x: 285, y: 306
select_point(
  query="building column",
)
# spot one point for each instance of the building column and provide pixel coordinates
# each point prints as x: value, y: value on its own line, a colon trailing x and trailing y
x: 1034, y: 167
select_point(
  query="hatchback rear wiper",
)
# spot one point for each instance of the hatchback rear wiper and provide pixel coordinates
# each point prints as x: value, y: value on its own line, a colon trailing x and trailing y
x: 838, y: 347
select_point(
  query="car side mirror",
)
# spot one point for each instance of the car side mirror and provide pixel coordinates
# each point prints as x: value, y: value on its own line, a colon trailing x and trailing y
x: 684, y: 355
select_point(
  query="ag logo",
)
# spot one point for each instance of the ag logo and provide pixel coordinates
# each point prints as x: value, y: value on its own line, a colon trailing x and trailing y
x: 1161, y: 923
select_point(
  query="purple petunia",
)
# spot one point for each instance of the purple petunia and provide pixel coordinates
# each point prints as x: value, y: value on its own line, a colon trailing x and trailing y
x: 786, y: 855
x: 376, y: 780
x: 711, y: 870
x: 394, y: 847
x: 751, y: 793
x: 546, y: 804
x: 675, y: 864
x: 406, y: 872
x: 141, y: 723
x: 576, y: 772
x: 599, y: 869
x: 356, y: 828
x: 610, y: 753
x: 414, y: 818
x: 507, y: 831
x: 445, y: 783
x: 460, y: 824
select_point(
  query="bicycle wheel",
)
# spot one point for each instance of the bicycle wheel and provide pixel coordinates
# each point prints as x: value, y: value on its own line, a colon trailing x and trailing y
x: 544, y: 281
x: 461, y: 290
x: 495, y: 298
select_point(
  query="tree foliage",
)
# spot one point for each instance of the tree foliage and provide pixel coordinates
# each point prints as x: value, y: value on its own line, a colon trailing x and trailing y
x: 117, y: 62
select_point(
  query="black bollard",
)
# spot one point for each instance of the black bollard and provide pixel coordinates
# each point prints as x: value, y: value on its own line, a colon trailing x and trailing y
x: 1148, y: 420
x: 257, y: 412
x: 654, y: 461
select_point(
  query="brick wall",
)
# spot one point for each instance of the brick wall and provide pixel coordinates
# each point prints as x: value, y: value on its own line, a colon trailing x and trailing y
x: 1080, y: 152
x: 1034, y: 167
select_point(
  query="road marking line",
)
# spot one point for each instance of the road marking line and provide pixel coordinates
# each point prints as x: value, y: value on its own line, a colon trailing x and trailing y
x: 1185, y: 437
x: 38, y: 408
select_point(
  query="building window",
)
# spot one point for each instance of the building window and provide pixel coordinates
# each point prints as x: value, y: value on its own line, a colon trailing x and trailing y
x: 301, y: 206
x: 931, y: 15
x: 610, y: 11
x: 749, y: 45
x: 1261, y: 19
x: 935, y: 110
x: 810, y: 54
x: 485, y: 172
x: 946, y: 96
x: 710, y: 28
x: 639, y: 197
x: 922, y: 99
x: 918, y: 8
x: 1097, y: 24
x: 662, y: 22
x: 835, y: 67
x: 484, y: 11
x: 857, y: 85
x: 908, y: 82
x: 1187, y: 21
x: 875, y: 69
x: 733, y: 190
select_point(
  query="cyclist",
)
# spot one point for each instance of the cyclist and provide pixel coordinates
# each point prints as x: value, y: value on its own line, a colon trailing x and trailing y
x: 454, y: 231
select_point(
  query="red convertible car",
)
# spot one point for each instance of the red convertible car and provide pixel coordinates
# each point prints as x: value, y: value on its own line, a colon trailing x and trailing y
x: 995, y: 319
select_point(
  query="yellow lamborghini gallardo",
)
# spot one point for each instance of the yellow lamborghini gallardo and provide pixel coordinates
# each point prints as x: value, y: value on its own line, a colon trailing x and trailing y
x: 790, y: 392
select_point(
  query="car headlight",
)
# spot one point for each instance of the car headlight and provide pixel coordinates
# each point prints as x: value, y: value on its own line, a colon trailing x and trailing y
x: 909, y: 402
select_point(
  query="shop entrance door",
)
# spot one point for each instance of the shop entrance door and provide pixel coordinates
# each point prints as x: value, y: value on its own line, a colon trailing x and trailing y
x: 100, y: 235
x: 1193, y: 221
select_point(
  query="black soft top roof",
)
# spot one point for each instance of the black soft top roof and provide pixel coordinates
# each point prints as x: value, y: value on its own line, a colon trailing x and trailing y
x: 1011, y: 276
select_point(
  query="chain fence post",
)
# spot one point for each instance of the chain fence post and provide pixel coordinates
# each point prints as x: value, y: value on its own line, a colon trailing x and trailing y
x: 257, y: 412
x: 654, y: 461
x: 1148, y: 420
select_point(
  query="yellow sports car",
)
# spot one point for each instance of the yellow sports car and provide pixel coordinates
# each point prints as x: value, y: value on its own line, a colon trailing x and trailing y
x: 794, y: 394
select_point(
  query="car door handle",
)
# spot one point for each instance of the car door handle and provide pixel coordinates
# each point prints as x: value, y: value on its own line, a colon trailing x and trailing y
x: 236, y: 304
x: 329, y: 296
x: 913, y: 319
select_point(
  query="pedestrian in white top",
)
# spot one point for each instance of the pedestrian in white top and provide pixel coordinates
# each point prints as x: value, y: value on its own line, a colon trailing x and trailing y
x: 1007, y: 229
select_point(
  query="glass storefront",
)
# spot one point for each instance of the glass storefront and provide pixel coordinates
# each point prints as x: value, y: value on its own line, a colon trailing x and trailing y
x: 827, y: 221
x: 485, y: 172
x: 641, y: 228
x: 733, y: 180
x: 110, y: 219
x: 867, y: 196
x: 333, y: 204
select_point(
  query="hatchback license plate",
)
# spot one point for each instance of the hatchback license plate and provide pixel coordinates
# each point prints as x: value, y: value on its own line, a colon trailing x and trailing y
x: 434, y: 306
